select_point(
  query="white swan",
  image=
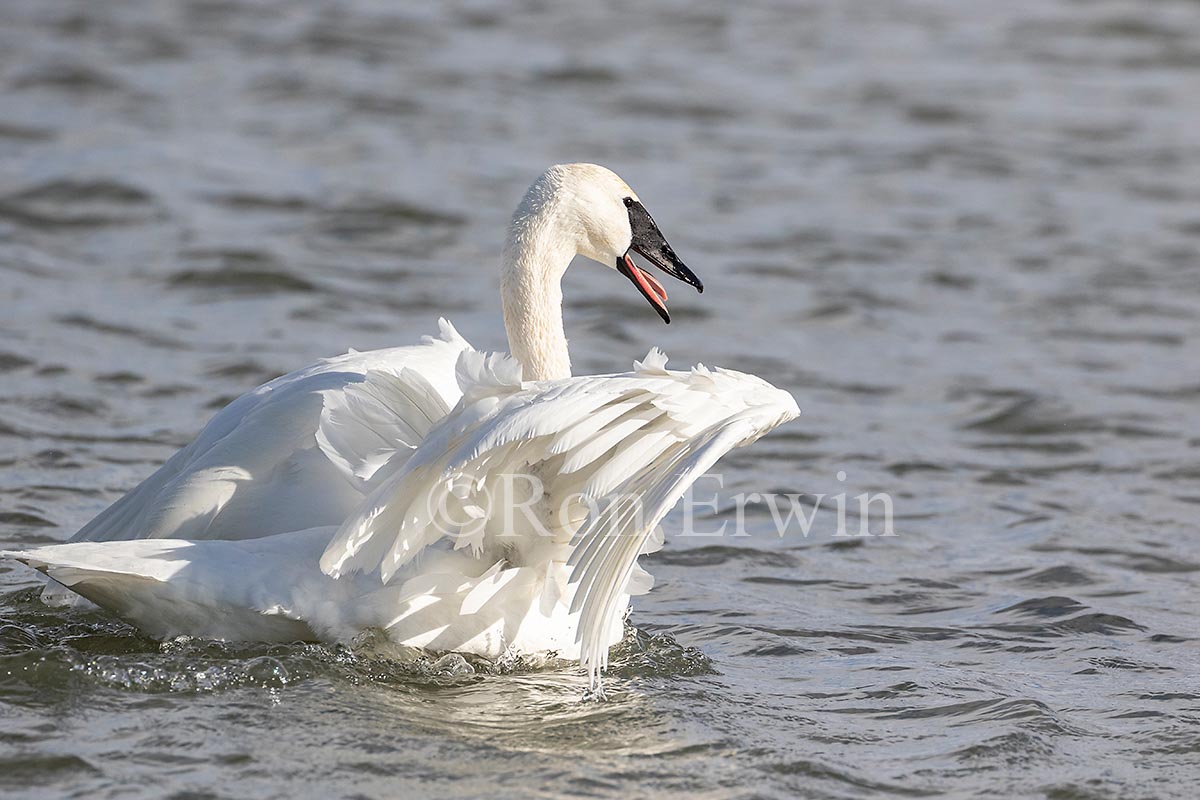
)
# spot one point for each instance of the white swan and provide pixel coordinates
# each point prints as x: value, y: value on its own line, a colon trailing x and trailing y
x: 456, y: 500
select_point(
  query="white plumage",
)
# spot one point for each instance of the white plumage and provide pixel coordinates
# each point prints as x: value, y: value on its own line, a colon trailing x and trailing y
x: 259, y: 467
x: 443, y: 495
x: 455, y: 570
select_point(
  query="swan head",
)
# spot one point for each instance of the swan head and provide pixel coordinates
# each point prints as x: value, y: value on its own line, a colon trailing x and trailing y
x: 607, y: 223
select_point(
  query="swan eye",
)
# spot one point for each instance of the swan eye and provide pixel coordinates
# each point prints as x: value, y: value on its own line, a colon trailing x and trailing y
x: 628, y: 202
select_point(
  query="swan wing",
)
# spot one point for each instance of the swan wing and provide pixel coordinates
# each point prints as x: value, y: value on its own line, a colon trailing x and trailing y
x: 614, y: 454
x: 370, y: 428
x: 296, y: 452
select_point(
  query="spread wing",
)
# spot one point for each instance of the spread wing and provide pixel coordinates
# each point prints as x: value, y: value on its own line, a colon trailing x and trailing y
x: 299, y: 451
x: 369, y: 428
x: 613, y: 454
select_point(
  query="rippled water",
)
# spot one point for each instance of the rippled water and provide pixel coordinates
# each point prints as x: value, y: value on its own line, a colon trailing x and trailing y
x: 964, y: 235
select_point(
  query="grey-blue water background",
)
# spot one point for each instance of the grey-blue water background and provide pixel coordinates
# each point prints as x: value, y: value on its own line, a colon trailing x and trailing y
x: 964, y: 234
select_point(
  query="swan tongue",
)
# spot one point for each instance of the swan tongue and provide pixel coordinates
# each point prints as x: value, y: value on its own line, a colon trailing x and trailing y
x: 655, y: 284
x: 647, y: 284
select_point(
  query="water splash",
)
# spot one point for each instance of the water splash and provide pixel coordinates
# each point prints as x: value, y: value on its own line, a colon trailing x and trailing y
x: 60, y: 647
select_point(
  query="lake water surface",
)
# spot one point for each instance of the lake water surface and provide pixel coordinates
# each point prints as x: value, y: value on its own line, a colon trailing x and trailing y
x: 965, y: 235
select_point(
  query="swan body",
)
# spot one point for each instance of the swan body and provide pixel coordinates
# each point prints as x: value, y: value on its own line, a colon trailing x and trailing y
x: 270, y: 589
x: 456, y: 500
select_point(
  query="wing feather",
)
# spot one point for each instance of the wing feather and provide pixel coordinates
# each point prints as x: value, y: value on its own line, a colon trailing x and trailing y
x: 610, y: 547
x: 583, y: 430
x: 377, y: 423
x: 625, y: 446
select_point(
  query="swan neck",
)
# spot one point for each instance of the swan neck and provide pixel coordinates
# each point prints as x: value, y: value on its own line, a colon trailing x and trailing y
x: 535, y: 259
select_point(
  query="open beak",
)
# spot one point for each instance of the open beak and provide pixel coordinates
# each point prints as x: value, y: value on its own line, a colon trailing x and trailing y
x: 650, y: 244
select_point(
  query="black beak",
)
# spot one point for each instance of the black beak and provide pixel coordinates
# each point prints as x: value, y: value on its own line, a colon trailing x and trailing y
x: 649, y: 243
